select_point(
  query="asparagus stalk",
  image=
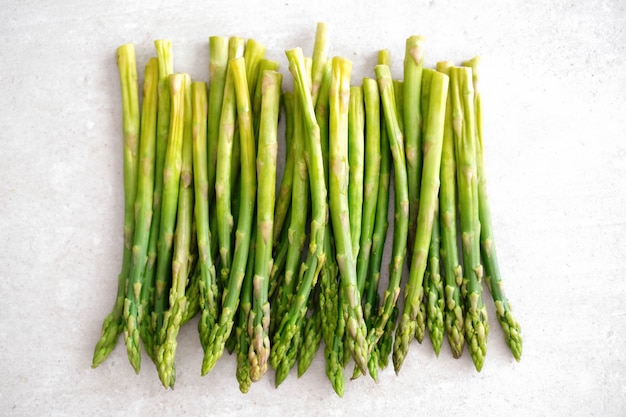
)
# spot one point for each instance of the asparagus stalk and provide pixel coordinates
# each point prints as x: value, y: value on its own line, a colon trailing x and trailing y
x: 420, y: 328
x: 284, y: 193
x: 320, y: 57
x: 447, y: 214
x: 290, y: 324
x: 297, y: 226
x: 510, y: 326
x: 433, y: 287
x: 264, y: 65
x: 476, y: 322
x: 113, y: 324
x: 230, y: 298
x: 182, y: 249
x: 133, y: 313
x: 356, y: 163
x: 223, y: 177
x: 311, y: 335
x: 401, y: 201
x: 253, y: 56
x: 371, y: 179
x: 192, y: 292
x: 242, y: 337
x: 208, y: 280
x: 259, y: 320
x: 356, y: 335
x: 412, y: 114
x: 428, y: 202
x: 169, y: 206
x: 165, y: 63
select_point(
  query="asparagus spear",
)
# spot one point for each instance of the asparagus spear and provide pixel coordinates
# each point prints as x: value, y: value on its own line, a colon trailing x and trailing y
x: 476, y: 322
x: 218, y: 64
x: 192, y: 293
x: 264, y: 65
x: 230, y: 298
x: 356, y: 335
x: 253, y: 55
x: 371, y: 178
x: 223, y: 177
x: 428, y: 202
x: 113, y: 323
x: 182, y: 249
x: 510, y: 326
x: 290, y: 324
x: 259, y: 320
x: 208, y: 280
x: 356, y: 163
x: 433, y: 287
x: 169, y: 206
x: 401, y: 201
x: 413, y: 64
x: 420, y: 328
x: 311, y: 334
x: 447, y: 214
x: 146, y: 328
x: 284, y: 193
x: 133, y: 314
x: 242, y: 337
x: 320, y: 57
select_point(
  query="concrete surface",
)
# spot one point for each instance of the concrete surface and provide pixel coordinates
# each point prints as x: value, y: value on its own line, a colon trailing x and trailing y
x: 555, y: 107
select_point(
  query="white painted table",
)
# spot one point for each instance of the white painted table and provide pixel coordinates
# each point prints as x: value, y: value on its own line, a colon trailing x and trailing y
x: 554, y: 82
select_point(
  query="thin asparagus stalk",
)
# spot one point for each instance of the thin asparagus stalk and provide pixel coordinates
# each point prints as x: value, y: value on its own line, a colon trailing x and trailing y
x: 356, y: 332
x: 311, y: 335
x: 278, y: 266
x: 253, y: 55
x: 258, y: 327
x: 230, y: 298
x: 447, y: 214
x: 320, y: 57
x: 218, y: 65
x: 510, y: 326
x: 398, y: 94
x: 428, y: 202
x: 420, y: 328
x: 476, y: 322
x: 223, y: 177
x: 133, y: 313
x: 413, y: 65
x: 164, y: 56
x: 192, y: 294
x: 284, y: 193
x: 169, y: 206
x: 241, y: 331
x: 356, y: 163
x: 401, y: 202
x: 433, y: 288
x: 290, y: 325
x: 371, y: 179
x: 113, y: 324
x: 182, y: 249
x: 208, y: 280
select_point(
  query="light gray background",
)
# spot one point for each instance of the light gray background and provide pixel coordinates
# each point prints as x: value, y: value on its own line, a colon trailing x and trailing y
x: 554, y: 112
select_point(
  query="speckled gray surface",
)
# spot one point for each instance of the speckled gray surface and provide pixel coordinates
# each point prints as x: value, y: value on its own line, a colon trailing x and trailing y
x: 554, y: 83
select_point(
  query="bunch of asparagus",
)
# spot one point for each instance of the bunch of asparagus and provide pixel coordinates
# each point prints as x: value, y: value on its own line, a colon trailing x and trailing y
x: 271, y: 273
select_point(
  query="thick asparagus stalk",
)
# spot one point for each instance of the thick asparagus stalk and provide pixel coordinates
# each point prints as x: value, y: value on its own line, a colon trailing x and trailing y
x: 133, y: 313
x: 428, y: 202
x: 230, y: 299
x: 146, y: 328
x: 208, y: 280
x: 182, y: 249
x: 401, y: 204
x: 169, y: 206
x: 413, y: 64
x: 290, y: 324
x: 356, y: 163
x: 476, y: 322
x: 223, y: 177
x: 356, y: 331
x: 264, y: 65
x: 259, y: 320
x: 113, y: 323
x: 447, y: 214
x: 510, y: 326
